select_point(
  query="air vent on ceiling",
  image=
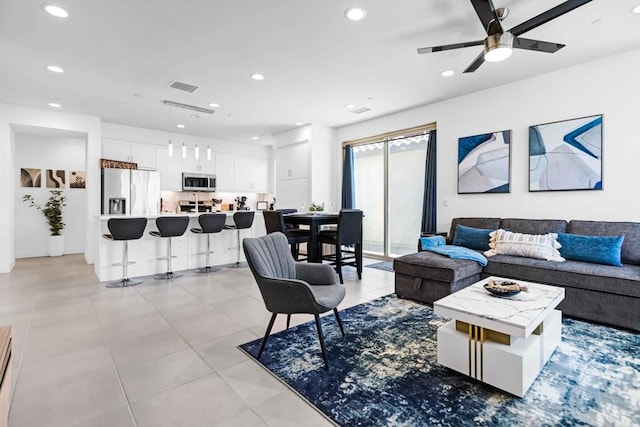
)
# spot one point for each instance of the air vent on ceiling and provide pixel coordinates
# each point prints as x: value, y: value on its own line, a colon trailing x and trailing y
x: 361, y: 110
x: 183, y: 86
x: 188, y: 107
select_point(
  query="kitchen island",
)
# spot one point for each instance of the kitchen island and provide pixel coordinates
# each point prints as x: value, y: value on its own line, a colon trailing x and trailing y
x: 189, y: 248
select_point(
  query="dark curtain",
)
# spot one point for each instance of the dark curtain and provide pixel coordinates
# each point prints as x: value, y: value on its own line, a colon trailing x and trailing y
x: 429, y: 204
x: 348, y: 185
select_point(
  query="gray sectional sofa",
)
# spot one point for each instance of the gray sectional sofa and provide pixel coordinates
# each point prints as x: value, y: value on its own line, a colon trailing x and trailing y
x: 596, y: 292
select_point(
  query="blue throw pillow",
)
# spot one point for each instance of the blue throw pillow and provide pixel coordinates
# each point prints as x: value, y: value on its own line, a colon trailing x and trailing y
x: 472, y: 238
x: 432, y: 242
x: 595, y: 249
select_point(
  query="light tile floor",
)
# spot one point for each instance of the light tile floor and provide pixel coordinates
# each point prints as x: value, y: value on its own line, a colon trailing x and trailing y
x: 159, y: 354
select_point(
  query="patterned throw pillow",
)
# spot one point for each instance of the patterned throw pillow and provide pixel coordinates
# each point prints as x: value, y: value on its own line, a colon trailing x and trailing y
x: 541, y: 246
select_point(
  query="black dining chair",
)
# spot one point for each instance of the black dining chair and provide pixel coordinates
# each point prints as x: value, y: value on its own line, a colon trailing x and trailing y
x: 274, y: 222
x: 347, y: 239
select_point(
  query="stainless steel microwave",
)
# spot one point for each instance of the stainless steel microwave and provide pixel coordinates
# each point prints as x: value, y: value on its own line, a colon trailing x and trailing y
x: 198, y: 182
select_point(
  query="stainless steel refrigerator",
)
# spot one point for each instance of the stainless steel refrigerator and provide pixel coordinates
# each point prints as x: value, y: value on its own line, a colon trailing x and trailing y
x: 134, y: 192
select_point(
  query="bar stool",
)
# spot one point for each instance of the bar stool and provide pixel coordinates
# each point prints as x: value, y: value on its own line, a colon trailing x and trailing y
x: 209, y: 223
x: 125, y: 229
x: 170, y: 226
x: 242, y: 220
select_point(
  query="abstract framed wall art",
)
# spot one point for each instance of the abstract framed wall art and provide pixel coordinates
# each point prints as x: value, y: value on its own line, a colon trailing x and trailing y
x: 55, y: 178
x: 484, y: 163
x: 77, y: 179
x: 30, y: 177
x: 566, y: 155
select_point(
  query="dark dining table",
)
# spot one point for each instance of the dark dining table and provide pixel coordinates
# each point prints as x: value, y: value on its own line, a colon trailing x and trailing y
x: 314, y: 220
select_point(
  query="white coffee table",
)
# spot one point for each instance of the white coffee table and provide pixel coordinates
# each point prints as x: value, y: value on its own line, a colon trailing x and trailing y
x: 501, y: 341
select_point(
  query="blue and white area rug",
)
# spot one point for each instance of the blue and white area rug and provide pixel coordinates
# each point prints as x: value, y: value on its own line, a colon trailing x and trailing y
x: 384, y: 372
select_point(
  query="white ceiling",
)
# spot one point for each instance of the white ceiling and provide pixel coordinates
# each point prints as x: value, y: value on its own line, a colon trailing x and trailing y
x: 315, y: 61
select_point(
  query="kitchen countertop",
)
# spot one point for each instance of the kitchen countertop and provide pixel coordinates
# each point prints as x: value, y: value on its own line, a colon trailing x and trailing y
x: 154, y: 216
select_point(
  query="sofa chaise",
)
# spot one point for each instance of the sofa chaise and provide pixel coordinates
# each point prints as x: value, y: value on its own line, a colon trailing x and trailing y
x: 596, y: 292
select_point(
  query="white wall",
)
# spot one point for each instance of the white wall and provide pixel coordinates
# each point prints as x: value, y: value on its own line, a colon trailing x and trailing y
x: 13, y: 117
x: 31, y: 230
x: 608, y: 86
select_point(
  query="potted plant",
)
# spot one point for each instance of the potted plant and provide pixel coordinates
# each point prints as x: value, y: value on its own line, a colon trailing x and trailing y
x: 52, y: 211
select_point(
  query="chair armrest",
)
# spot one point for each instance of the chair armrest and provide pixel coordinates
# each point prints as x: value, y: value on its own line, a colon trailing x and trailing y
x: 316, y: 274
x: 287, y: 296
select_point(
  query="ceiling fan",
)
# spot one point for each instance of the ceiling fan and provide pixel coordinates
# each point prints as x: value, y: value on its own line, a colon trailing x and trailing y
x: 499, y: 43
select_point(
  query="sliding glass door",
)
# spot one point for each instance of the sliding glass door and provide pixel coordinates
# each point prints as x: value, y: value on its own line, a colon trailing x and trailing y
x: 389, y: 188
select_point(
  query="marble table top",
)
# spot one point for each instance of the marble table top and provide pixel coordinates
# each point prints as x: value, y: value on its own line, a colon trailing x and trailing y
x: 517, y: 315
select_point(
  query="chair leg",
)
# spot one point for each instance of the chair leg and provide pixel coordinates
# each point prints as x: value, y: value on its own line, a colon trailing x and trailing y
x: 266, y: 335
x: 294, y: 251
x: 359, y: 260
x: 339, y: 263
x: 324, y: 350
x: 335, y: 311
x: 288, y: 320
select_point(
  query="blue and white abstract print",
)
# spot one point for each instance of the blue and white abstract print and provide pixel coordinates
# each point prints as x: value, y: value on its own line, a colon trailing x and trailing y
x: 566, y: 155
x: 483, y: 163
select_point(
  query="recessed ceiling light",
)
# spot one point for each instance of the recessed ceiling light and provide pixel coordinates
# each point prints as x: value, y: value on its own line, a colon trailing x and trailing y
x: 636, y: 9
x: 56, y: 11
x: 257, y: 76
x: 299, y: 123
x: 448, y: 73
x: 54, y: 104
x: 213, y: 105
x: 355, y: 13
x: 349, y: 106
x: 55, y: 69
x: 255, y: 138
x: 181, y: 126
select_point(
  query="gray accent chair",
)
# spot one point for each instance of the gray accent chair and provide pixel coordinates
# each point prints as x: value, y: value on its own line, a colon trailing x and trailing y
x: 290, y: 287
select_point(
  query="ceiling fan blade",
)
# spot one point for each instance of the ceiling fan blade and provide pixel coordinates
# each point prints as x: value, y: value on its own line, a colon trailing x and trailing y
x: 450, y: 46
x: 537, y: 45
x: 547, y: 16
x: 475, y: 64
x: 488, y: 16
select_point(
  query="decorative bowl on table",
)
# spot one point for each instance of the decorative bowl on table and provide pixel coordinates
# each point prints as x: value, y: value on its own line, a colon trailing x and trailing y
x: 504, y: 288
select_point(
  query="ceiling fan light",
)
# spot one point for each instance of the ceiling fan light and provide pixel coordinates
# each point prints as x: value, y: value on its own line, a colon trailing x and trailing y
x: 498, y: 47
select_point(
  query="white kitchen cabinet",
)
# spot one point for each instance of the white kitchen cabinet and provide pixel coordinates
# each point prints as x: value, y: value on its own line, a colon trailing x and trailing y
x: 116, y: 151
x: 202, y: 165
x: 225, y: 172
x: 251, y: 174
x: 142, y: 154
x: 170, y: 169
x: 292, y: 161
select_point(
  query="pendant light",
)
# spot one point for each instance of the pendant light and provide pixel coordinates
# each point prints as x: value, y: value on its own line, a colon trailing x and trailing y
x: 208, y: 152
x: 184, y: 151
x: 197, y: 152
x: 170, y: 149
